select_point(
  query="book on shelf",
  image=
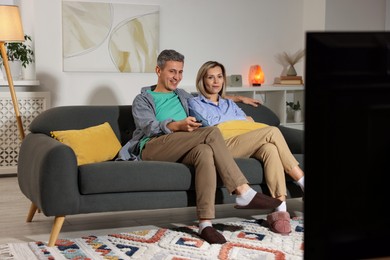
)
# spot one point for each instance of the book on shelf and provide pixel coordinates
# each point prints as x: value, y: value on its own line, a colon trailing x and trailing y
x: 291, y: 82
x: 291, y: 78
x: 282, y: 80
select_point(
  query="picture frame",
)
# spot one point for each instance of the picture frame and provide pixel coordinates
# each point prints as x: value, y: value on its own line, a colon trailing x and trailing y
x: 109, y: 37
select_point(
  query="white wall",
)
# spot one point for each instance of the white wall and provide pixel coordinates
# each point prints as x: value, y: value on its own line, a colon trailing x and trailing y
x: 387, y: 19
x: 355, y: 15
x: 236, y: 33
x: 225, y: 30
x: 314, y: 15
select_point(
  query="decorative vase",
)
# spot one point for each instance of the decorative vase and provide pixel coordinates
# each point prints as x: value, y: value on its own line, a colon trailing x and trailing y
x: 291, y: 71
x: 15, y: 68
x: 28, y: 73
x: 297, y: 116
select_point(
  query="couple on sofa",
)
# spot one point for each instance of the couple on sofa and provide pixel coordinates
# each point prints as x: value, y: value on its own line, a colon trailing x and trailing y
x: 169, y: 128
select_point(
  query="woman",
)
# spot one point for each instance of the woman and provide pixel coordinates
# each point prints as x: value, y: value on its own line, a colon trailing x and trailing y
x: 270, y: 147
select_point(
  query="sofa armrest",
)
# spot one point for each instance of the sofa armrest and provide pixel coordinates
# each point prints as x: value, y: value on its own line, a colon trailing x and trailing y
x: 48, y: 175
x: 294, y: 139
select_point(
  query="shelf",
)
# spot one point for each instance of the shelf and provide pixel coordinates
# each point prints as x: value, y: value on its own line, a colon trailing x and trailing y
x: 300, y: 126
x: 4, y: 83
x: 265, y: 88
x: 272, y: 96
x: 256, y: 89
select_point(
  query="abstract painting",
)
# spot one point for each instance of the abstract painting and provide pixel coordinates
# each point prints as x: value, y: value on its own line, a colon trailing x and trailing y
x: 109, y: 37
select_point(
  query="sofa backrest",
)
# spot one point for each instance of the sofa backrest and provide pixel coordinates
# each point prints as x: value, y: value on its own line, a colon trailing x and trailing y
x: 260, y: 114
x: 78, y: 117
x: 119, y: 117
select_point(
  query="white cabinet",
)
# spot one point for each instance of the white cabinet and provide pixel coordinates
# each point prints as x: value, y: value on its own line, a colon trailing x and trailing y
x: 274, y: 97
x: 4, y: 82
x: 30, y: 105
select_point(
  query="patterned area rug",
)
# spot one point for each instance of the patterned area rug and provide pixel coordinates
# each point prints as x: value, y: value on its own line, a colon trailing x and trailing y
x: 249, y: 239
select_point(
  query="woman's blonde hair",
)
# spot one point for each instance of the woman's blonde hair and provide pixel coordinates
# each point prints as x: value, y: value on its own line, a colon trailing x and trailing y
x: 202, y: 73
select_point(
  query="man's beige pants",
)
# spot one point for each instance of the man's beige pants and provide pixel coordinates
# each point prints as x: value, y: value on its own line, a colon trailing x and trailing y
x: 206, y: 150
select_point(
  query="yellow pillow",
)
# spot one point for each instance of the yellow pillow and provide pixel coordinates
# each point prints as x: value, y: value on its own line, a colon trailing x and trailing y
x: 93, y: 144
x: 233, y: 128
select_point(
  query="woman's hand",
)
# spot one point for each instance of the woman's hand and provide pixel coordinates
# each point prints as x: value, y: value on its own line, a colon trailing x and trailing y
x: 245, y: 100
x: 249, y: 101
x: 188, y: 124
x: 249, y: 118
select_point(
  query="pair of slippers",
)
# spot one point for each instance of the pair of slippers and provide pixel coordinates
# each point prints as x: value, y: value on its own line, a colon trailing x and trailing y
x: 279, y: 222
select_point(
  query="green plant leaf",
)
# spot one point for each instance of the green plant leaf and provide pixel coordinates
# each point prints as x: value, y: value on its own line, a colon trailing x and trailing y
x: 21, y: 51
x: 294, y: 106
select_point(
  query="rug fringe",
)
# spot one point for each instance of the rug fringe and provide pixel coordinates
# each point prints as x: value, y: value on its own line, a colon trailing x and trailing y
x: 5, y: 252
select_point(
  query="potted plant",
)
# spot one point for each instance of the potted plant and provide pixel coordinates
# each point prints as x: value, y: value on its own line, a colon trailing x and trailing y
x: 296, y: 107
x: 19, y: 53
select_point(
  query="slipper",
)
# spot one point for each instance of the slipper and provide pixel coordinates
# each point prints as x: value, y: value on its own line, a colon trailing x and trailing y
x: 261, y: 201
x: 279, y: 222
x: 212, y: 236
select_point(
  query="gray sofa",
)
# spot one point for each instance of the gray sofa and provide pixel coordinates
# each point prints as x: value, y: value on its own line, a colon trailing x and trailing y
x: 48, y: 174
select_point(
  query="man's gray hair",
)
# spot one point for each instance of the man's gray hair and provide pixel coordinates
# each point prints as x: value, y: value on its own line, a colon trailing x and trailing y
x: 169, y: 55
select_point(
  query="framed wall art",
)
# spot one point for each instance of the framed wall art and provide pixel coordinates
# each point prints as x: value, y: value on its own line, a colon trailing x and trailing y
x: 109, y: 37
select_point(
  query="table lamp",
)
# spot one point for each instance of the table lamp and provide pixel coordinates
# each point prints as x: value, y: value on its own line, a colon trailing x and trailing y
x: 256, y: 75
x: 11, y: 30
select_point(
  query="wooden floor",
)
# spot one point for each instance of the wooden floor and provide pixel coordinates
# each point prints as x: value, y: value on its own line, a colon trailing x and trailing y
x: 14, y: 207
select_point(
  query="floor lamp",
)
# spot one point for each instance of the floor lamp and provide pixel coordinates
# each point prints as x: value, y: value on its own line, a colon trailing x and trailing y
x: 11, y: 30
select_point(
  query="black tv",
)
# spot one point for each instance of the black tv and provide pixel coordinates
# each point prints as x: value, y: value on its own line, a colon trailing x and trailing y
x: 347, y: 145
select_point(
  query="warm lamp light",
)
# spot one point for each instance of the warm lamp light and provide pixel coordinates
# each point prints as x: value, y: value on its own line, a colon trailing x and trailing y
x: 256, y: 75
x: 11, y: 30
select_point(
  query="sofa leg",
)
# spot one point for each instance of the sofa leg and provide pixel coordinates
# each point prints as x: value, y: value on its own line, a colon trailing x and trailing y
x: 31, y: 212
x: 55, y: 231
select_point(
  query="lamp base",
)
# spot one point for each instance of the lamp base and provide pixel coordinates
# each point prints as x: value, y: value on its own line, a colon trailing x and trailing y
x: 256, y: 84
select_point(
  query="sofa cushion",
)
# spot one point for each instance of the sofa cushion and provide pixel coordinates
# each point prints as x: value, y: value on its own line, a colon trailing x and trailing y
x: 93, y: 144
x: 233, y: 128
x: 133, y: 176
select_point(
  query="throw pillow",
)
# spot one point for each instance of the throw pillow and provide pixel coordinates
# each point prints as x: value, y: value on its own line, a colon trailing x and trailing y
x: 233, y: 128
x: 93, y: 144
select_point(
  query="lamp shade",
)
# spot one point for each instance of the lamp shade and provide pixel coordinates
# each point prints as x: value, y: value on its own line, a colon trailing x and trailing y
x: 11, y: 29
x: 256, y: 75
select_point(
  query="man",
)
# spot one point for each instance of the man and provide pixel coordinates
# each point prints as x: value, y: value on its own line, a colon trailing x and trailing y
x: 165, y: 132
